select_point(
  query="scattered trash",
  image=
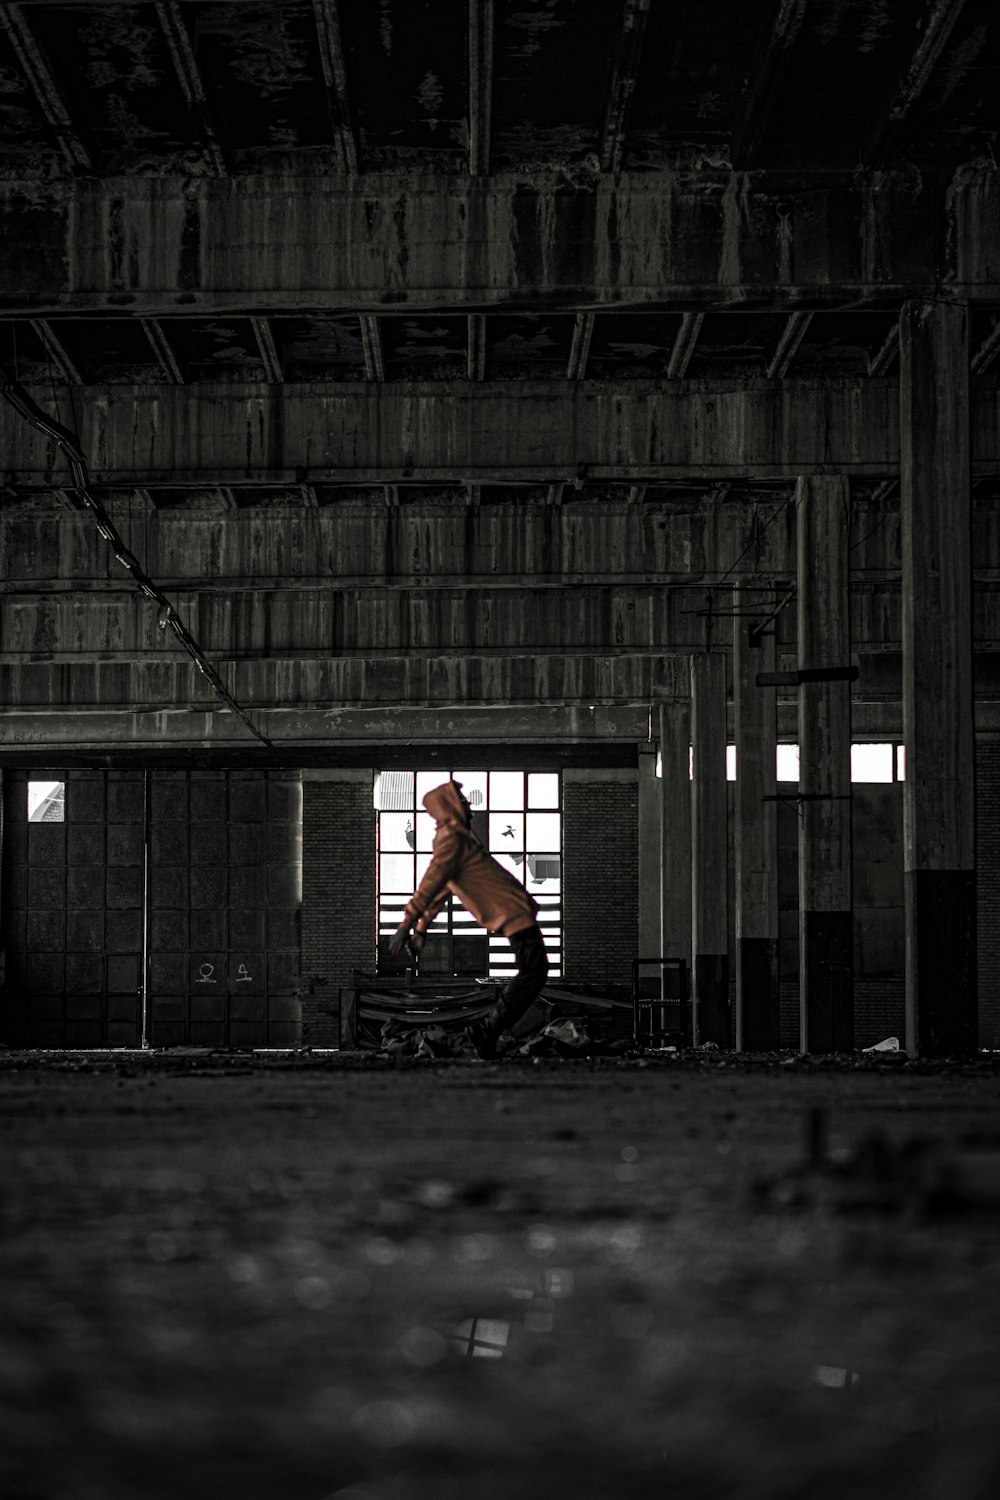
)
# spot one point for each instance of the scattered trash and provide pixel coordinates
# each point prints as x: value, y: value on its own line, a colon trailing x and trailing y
x: 890, y: 1044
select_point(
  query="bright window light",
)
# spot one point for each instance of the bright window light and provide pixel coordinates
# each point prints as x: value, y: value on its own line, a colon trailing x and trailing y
x: 730, y: 762
x: 46, y: 802
x: 871, y: 762
x: 900, y: 762
x: 788, y: 763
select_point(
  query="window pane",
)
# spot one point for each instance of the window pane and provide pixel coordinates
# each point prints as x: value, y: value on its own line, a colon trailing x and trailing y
x: 543, y: 872
x: 426, y: 829
x: 871, y: 762
x: 393, y: 790
x: 396, y: 832
x: 512, y: 863
x: 507, y: 790
x: 543, y: 832
x: 506, y: 833
x: 543, y: 789
x: 423, y: 860
x: 900, y: 762
x: 427, y: 781
x: 473, y: 786
x: 46, y: 802
x: 396, y: 874
x: 788, y: 762
x: 730, y: 762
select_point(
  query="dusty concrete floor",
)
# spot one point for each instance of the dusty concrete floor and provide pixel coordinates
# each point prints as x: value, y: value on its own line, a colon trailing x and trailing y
x: 252, y: 1277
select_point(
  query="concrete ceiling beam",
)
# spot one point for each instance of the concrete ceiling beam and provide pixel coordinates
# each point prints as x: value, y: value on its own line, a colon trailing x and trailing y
x: 791, y: 337
x: 188, y: 76
x: 269, y: 355
x: 45, y: 88
x: 56, y: 352
x: 476, y: 346
x: 623, y: 81
x: 160, y: 246
x: 161, y: 347
x: 371, y: 341
x: 684, y: 345
x: 886, y: 355
x: 583, y: 332
x: 935, y: 27
x: 761, y: 79
x: 450, y: 432
x: 331, y: 51
x: 481, y: 26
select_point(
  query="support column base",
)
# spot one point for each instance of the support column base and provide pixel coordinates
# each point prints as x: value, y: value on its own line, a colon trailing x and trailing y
x: 941, y: 979
x: 711, y: 999
x: 757, y: 1005
x: 826, y: 981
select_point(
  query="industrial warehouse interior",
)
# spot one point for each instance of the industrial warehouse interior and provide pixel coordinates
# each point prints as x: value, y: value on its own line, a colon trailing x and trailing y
x: 499, y: 749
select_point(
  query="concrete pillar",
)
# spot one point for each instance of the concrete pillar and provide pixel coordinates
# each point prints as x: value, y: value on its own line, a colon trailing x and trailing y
x: 756, y: 841
x: 939, y: 793
x: 675, y: 843
x: 709, y: 870
x: 826, y: 922
x: 649, y: 854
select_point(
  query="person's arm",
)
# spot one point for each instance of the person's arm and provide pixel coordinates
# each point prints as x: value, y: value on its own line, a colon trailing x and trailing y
x: 431, y: 894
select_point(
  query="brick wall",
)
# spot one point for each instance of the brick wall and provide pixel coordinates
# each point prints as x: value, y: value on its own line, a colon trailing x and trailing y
x: 988, y: 888
x: 600, y: 875
x: 338, y: 894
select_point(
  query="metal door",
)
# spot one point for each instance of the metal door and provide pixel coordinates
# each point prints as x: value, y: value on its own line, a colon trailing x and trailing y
x: 224, y: 900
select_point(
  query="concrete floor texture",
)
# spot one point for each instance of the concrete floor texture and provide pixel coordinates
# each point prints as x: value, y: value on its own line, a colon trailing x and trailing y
x: 374, y: 1278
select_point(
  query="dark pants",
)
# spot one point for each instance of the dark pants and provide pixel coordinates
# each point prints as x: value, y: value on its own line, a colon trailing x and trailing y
x: 532, y: 972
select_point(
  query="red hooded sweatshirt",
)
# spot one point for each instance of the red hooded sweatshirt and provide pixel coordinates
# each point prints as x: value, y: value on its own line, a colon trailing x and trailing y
x: 461, y: 864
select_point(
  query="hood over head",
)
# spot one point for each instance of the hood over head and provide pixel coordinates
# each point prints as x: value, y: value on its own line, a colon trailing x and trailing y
x: 446, y: 804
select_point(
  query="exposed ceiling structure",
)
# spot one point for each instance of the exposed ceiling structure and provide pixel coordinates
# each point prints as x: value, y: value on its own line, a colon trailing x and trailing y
x: 360, y: 308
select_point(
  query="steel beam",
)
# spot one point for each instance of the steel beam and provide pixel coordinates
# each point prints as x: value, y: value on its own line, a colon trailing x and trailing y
x: 44, y: 87
x: 481, y: 24
x: 331, y: 51
x: 186, y: 67
x: 623, y: 82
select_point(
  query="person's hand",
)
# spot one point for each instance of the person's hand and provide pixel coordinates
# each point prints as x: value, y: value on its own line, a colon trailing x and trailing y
x: 400, y: 939
x: 416, y: 942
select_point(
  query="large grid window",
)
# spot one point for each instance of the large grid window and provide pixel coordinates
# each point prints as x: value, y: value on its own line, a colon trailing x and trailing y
x: 518, y: 817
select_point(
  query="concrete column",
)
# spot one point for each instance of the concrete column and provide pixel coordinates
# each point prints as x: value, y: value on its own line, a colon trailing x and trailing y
x: 675, y: 843
x: 939, y: 794
x: 756, y: 841
x: 709, y: 869
x: 826, y: 922
x: 649, y: 854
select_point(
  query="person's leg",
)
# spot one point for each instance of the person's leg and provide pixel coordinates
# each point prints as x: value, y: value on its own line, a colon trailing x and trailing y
x: 517, y: 996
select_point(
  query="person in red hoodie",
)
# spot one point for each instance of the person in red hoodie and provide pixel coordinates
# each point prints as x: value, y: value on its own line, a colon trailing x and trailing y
x: 498, y: 902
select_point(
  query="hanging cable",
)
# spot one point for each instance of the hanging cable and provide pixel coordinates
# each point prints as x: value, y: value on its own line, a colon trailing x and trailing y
x: 17, y: 397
